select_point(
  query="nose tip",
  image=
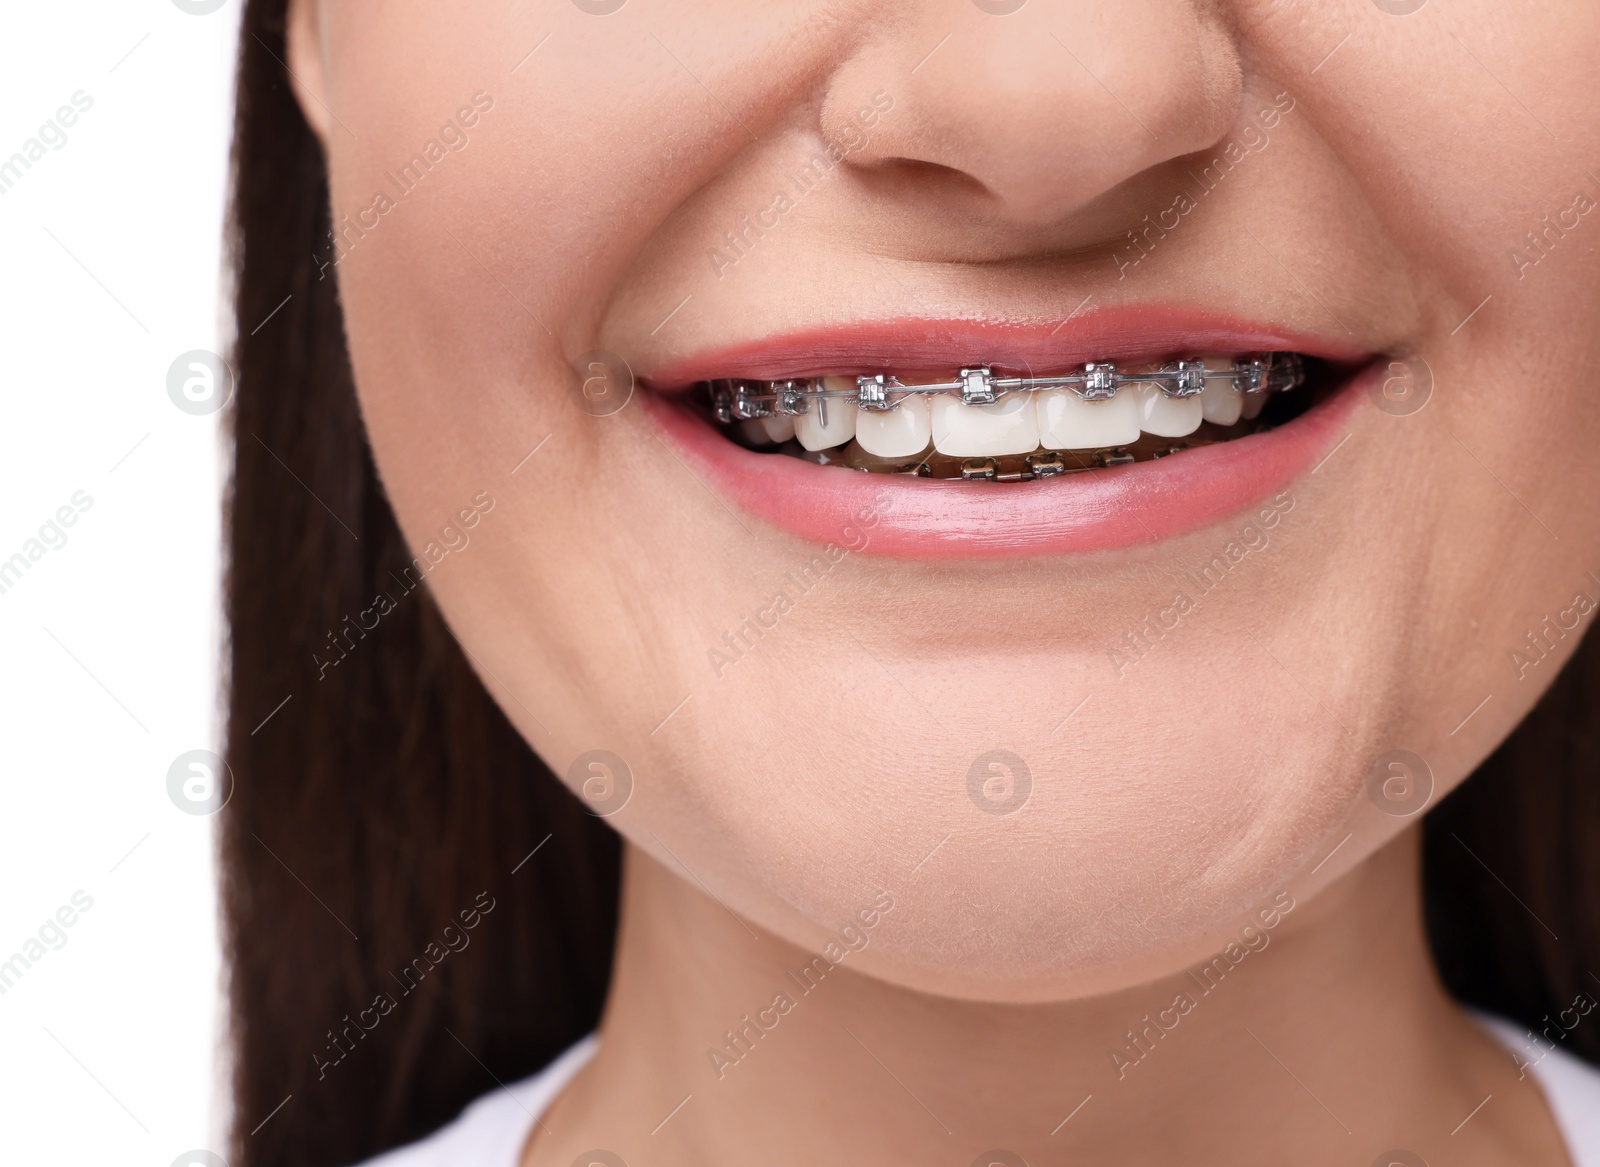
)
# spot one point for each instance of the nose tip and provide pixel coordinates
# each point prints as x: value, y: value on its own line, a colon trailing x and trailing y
x: 1046, y: 108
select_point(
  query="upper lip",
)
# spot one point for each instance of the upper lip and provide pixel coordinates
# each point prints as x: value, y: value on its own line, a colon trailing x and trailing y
x: 911, y: 344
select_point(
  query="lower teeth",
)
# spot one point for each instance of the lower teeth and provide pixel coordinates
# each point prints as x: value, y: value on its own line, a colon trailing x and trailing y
x: 982, y: 422
x: 1041, y: 463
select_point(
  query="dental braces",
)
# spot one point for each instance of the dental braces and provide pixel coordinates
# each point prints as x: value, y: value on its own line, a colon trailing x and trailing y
x: 744, y: 400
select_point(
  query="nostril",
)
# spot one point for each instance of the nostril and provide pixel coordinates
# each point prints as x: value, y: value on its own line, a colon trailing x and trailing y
x: 918, y: 168
x: 897, y: 176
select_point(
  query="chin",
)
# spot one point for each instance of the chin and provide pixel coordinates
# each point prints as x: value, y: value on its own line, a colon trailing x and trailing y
x: 1133, y: 845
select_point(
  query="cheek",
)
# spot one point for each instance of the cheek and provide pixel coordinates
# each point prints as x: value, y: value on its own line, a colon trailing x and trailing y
x: 469, y: 303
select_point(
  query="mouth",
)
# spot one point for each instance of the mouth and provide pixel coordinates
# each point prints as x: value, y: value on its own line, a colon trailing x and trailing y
x: 986, y: 425
x: 940, y: 438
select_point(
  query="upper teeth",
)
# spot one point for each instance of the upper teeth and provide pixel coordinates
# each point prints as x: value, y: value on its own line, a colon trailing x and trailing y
x: 980, y: 415
x: 1009, y: 426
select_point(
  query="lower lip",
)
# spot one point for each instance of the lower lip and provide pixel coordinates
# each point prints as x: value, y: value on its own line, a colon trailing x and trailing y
x: 1096, y: 510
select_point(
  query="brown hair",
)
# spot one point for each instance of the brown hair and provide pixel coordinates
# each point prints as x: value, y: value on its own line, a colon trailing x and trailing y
x: 415, y: 909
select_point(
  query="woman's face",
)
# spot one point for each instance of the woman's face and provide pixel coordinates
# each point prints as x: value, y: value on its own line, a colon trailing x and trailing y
x: 1076, y: 726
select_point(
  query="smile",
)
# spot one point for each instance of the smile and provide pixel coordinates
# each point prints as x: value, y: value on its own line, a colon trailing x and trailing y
x: 983, y: 439
x: 979, y: 425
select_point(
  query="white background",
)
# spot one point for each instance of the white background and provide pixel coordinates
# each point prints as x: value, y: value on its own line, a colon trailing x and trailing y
x: 110, y: 267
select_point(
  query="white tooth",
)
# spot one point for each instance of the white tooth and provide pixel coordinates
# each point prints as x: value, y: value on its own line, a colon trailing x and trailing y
x: 1163, y: 416
x: 780, y: 428
x: 1068, y: 422
x: 754, y: 432
x: 1221, y: 402
x: 1009, y: 426
x: 1252, y: 405
x: 899, y: 433
x: 841, y: 425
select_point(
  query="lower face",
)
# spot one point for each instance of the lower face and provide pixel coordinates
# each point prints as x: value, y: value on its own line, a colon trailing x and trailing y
x: 1082, y: 681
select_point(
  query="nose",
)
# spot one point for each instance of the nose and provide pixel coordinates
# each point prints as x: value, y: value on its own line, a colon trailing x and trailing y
x: 1045, y: 108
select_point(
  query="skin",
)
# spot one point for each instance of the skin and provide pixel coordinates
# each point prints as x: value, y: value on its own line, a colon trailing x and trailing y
x: 829, y: 765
